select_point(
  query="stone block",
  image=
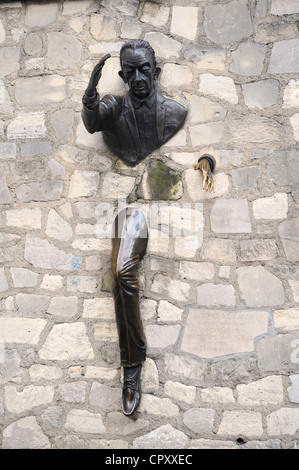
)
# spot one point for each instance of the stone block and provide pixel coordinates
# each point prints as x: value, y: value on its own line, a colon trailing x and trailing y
x: 29, y: 125
x: 223, y: 395
x: 227, y: 23
x: 187, y: 367
x: 158, y: 406
x: 9, y: 60
x: 293, y: 390
x: 295, y: 289
x: 259, y: 287
x: 40, y: 90
x: 8, y: 151
x: 198, y: 271
x: 25, y: 433
x: 64, y: 51
x: 176, y: 290
x: 263, y: 392
x: 258, y: 249
x: 279, y: 353
x: 6, y: 106
x: 42, y: 254
x: 21, y: 330
x: 103, y: 28
x: 62, y: 122
x: 160, y: 182
x: 283, y: 167
x: 261, y: 94
x: 3, y: 281
x: 63, y: 306
x: 168, y: 312
x: 248, y: 59
x: 285, y: 57
x: 244, y: 423
x: 41, y: 372
x: 38, y: 16
x: 203, y: 110
x: 180, y: 391
x: 199, y: 420
x: 255, y: 131
x: 30, y: 397
x: 32, y: 303
x: 194, y: 188
x: 156, y: 15
x: 50, y: 190
x: 74, y: 8
x: 73, y: 392
x: 103, y: 396
x: 163, y: 437
x: 115, y: 186
x: 212, y: 333
x: 291, y: 94
x: 246, y: 178
x: 218, y: 86
x: 82, y: 284
x: 184, y: 22
x: 52, y: 282
x: 274, y: 207
x: 175, y: 75
x: 159, y: 336
x: 295, y: 125
x: 57, y: 227
x: 283, y: 422
x: 101, y: 308
x: 67, y: 341
x: 288, y: 232
x: 38, y: 148
x: 83, y: 184
x: 216, y: 295
x: 24, y: 218
x: 207, y: 58
x: 5, y: 196
x: 220, y: 250
x: 230, y: 216
x: 206, y: 134
x: 164, y: 46
x: 23, y: 277
x: 84, y: 421
x: 284, y: 8
x: 287, y: 319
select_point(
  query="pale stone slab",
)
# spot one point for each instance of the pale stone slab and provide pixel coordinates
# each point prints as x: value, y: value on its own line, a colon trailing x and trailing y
x: 103, y: 396
x: 24, y: 218
x: 259, y: 287
x: 168, y: 312
x: 291, y: 94
x: 73, y: 8
x: 212, y: 333
x: 40, y: 90
x: 295, y: 125
x: 21, y: 330
x: 194, y: 185
x: 67, y: 341
x: 25, y: 433
x: 159, y: 336
x: 41, y: 372
x: 3, y: 281
x: 273, y: 207
x: 245, y: 423
x: 5, y: 197
x: 253, y: 130
x: 284, y: 421
x: 284, y: 8
x: 156, y: 15
x: 158, y: 406
x: 293, y: 390
x: 63, y: 306
x: 220, y: 250
x: 284, y: 57
x: 164, y: 46
x: 38, y: 16
x: 180, y: 366
x: 9, y: 60
x: 29, y: 125
x: 184, y: 22
x: 248, y: 59
x: 199, y: 420
x: 57, y: 227
x: 102, y: 308
x: 164, y: 437
x: 217, y: 395
x: 264, y: 392
x: 64, y: 51
x: 175, y: 75
x: 287, y: 319
x: 206, y: 134
x: 216, y: 295
x: 279, y: 353
x: 196, y: 271
x: 30, y: 397
x: 103, y: 28
x: 173, y: 288
x: 202, y: 110
x: 40, y: 253
x: 230, y: 216
x: 288, y: 232
x: 180, y: 392
x: 116, y: 186
x: 23, y: 277
x: 85, y: 421
x: 83, y: 184
x: 218, y: 86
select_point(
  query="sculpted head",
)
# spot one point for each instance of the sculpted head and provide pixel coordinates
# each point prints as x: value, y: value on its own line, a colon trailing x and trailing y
x: 138, y: 67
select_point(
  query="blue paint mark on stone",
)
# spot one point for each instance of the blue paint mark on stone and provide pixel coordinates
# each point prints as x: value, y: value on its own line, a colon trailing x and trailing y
x: 76, y: 262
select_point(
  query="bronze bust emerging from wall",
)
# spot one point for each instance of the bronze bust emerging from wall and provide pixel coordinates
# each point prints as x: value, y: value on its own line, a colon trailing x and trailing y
x: 133, y: 126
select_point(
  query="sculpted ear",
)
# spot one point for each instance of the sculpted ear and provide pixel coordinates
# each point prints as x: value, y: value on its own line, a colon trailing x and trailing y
x: 121, y: 74
x: 157, y: 73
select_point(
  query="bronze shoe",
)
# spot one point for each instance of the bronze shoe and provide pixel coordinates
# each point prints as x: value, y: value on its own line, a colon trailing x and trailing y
x: 131, y: 390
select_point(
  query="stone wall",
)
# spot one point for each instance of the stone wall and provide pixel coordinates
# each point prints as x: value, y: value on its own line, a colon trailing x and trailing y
x: 219, y: 282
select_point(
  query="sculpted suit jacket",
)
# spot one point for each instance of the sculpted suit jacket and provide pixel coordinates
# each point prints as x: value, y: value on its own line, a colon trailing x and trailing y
x: 115, y: 117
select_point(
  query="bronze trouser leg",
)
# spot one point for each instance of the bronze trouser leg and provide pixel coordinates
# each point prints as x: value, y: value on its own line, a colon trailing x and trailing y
x: 128, y: 247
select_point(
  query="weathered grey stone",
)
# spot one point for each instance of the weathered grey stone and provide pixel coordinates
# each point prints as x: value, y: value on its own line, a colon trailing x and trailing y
x: 24, y: 218
x: 39, y: 372
x: 45, y: 191
x: 180, y: 391
x: 184, y: 21
x: 288, y: 232
x: 227, y: 23
x: 163, y: 46
x: 293, y: 390
x: 56, y: 168
x: 164, y: 437
x: 279, y: 353
x: 32, y: 303
x: 258, y: 249
x: 9, y: 60
x: 261, y: 94
x: 42, y: 254
x: 158, y: 406
x: 85, y: 421
x: 199, y: 420
x: 230, y: 216
x: 63, y: 306
x: 5, y: 197
x: 246, y: 178
x: 273, y: 207
x: 252, y: 131
x: 57, y: 227
x: 83, y: 184
x: 21, y: 330
x: 285, y: 57
x: 259, y: 287
x: 248, y: 59
x: 116, y: 186
x: 156, y: 15
x: 117, y: 423
x: 73, y: 8
x: 291, y: 94
x: 206, y: 134
x: 25, y: 434
x: 62, y: 122
x: 212, y: 333
x: 125, y: 7
x: 173, y: 288
x: 283, y: 167
x: 23, y: 277
x: 52, y: 417
x: 103, y: 28
x: 40, y: 15
x: 29, y: 125
x: 245, y: 423
x: 82, y: 284
x: 216, y: 295
x: 168, y: 312
x: 33, y: 44
x: 28, y: 398
x: 203, y: 110
x: 7, y: 151
x: 6, y: 106
x: 206, y: 57
x: 175, y: 75
x: 32, y: 149
x: 186, y: 367
x: 64, y: 51
x: 3, y: 281
x: 217, y: 395
x: 285, y: 8
x: 67, y: 341
x: 284, y: 421
x: 103, y: 396
x: 73, y: 392
x: 40, y: 90
x: 294, y: 120
x: 159, y: 336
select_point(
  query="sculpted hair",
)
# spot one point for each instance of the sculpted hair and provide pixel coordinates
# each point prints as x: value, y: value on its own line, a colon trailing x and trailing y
x: 138, y: 44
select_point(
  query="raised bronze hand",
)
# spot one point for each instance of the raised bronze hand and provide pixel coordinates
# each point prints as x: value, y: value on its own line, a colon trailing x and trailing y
x: 204, y: 166
x: 95, y: 76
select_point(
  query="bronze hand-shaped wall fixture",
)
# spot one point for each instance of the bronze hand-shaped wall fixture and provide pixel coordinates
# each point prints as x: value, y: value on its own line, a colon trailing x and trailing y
x: 206, y: 164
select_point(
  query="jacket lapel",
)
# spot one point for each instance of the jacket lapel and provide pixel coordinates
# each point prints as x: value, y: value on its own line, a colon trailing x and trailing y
x: 129, y: 115
x: 160, y: 117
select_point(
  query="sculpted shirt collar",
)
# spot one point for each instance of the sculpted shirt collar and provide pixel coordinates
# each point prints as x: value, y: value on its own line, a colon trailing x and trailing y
x: 149, y: 100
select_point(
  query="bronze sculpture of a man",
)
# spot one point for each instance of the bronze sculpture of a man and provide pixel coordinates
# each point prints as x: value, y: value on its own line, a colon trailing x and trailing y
x: 133, y: 126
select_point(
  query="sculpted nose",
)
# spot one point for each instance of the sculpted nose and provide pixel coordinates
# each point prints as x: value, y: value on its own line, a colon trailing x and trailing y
x: 137, y: 75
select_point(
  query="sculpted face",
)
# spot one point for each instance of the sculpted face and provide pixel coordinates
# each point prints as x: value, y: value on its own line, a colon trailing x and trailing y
x: 139, y: 71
